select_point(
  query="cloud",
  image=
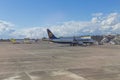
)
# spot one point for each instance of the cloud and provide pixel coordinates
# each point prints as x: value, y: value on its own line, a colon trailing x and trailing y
x: 6, y: 28
x: 65, y: 29
x: 111, y: 19
x: 35, y: 32
x: 99, y: 24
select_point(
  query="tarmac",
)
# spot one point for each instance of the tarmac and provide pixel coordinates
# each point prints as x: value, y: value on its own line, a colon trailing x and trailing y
x: 50, y: 61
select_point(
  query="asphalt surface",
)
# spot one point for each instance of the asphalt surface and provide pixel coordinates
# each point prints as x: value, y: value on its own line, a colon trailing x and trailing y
x: 49, y: 61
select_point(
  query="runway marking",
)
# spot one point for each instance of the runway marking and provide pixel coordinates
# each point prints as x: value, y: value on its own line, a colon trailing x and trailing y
x: 67, y: 74
x: 20, y: 76
x: 54, y: 75
x: 13, y: 78
x: 28, y: 76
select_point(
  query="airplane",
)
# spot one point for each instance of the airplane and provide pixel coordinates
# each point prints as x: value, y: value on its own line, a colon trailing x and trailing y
x: 69, y: 40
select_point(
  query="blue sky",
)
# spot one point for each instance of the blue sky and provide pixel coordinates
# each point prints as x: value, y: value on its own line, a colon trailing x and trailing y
x: 25, y: 17
x: 29, y: 13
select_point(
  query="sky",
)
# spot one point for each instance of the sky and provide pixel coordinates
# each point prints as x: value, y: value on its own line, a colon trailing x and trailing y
x: 30, y: 18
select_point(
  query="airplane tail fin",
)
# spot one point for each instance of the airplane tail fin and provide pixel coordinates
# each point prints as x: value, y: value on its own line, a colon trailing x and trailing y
x: 51, y: 35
